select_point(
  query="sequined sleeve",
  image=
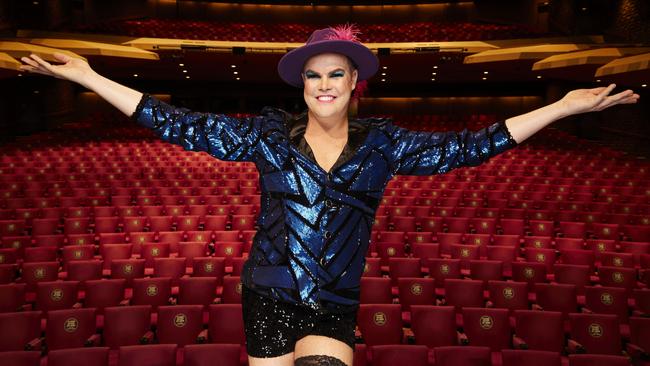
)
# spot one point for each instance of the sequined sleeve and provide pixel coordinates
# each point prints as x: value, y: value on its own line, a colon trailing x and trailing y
x: 224, y: 137
x: 425, y: 153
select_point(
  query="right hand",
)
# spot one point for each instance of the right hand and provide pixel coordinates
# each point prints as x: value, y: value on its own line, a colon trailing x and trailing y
x: 72, y: 68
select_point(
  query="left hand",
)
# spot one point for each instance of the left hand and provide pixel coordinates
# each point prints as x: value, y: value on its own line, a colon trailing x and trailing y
x: 596, y: 99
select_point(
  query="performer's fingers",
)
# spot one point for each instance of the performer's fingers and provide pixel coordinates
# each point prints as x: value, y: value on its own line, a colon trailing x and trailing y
x: 621, y: 95
x: 597, y: 90
x: 607, y: 90
x: 26, y: 68
x: 33, y: 70
x: 29, y: 61
x: 624, y: 97
x: 630, y: 99
x: 46, y: 65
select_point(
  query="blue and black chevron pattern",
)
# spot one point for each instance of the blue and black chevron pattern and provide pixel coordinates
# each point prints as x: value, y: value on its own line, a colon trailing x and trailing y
x: 314, y: 226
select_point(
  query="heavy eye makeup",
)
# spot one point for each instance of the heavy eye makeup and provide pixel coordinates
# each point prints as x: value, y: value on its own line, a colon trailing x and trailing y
x: 309, y: 74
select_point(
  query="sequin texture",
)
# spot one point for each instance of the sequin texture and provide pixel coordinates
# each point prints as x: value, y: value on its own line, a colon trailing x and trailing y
x: 314, y: 226
x: 273, y: 327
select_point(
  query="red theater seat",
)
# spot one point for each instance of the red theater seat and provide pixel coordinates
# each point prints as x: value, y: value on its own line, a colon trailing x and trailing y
x: 380, y: 323
x: 71, y: 328
x: 147, y: 355
x: 539, y: 330
x: 85, y: 270
x: 126, y: 325
x: 388, y: 355
x: 179, y: 324
x: 595, y: 333
x: 226, y: 324
x: 100, y: 294
x: 78, y: 357
x: 151, y: 291
x: 212, y: 354
x: 21, y: 358
x: 197, y: 291
x: 56, y: 295
x: 128, y: 269
x: 208, y: 267
x: 375, y: 290
x: 25, y: 329
x: 598, y: 360
x: 513, y: 357
x: 434, y: 326
x: 415, y: 291
x: 464, y: 293
x: 462, y: 355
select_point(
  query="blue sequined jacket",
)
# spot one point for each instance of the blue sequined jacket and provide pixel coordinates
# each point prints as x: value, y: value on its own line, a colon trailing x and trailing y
x: 314, y: 226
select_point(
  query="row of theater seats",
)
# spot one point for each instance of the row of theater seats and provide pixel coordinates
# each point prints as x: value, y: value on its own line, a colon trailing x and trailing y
x: 386, y: 355
x: 398, y: 218
x: 510, y: 319
x: 294, y: 32
x: 128, y: 283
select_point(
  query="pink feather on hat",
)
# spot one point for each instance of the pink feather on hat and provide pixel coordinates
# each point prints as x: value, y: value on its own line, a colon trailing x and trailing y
x: 345, y: 32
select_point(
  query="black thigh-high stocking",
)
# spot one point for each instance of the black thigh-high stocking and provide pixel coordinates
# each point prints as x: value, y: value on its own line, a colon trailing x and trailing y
x: 318, y: 360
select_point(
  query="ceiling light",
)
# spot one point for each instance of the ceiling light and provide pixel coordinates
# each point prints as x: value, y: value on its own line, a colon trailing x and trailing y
x: 181, y: 65
x: 484, y: 78
x: 383, y: 79
x: 135, y: 75
x: 539, y: 76
x: 233, y: 66
x: 187, y: 77
x: 237, y: 78
x: 485, y: 72
x: 598, y: 81
x: 642, y: 85
x: 435, y: 67
x: 184, y: 70
x: 434, y: 73
x: 383, y: 74
x: 385, y: 67
x: 433, y: 79
x: 20, y: 74
x: 235, y: 72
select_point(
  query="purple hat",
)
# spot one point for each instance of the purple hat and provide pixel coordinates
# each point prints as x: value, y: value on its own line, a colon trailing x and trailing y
x: 341, y: 40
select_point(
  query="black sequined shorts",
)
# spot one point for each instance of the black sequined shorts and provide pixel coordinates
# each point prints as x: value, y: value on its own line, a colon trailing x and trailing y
x: 273, y: 327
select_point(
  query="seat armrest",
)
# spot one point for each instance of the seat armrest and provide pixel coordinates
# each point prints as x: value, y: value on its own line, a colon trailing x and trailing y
x: 147, y: 338
x: 461, y: 338
x: 575, y: 347
x: 202, y: 337
x: 93, y: 341
x: 35, y: 344
x: 519, y: 343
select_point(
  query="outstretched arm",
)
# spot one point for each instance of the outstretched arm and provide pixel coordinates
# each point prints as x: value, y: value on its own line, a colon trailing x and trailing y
x: 122, y: 97
x: 576, y: 101
x: 224, y: 137
x: 423, y: 153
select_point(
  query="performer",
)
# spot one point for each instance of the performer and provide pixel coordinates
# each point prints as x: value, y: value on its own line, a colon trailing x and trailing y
x: 322, y: 176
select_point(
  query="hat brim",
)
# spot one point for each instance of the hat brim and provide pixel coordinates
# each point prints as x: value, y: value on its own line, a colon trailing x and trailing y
x: 291, y: 64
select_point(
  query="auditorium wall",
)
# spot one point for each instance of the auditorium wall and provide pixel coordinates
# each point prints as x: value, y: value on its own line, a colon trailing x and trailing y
x: 324, y: 14
x: 627, y: 21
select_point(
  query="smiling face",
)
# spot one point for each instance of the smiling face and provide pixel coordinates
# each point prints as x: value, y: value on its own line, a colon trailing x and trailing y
x: 329, y: 79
